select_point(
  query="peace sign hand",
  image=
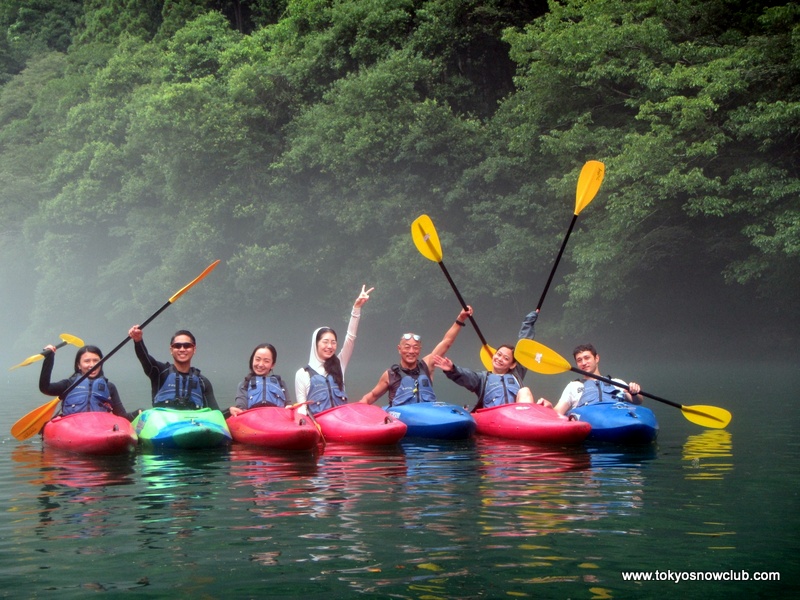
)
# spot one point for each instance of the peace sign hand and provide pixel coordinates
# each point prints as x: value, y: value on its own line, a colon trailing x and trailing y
x: 363, y: 296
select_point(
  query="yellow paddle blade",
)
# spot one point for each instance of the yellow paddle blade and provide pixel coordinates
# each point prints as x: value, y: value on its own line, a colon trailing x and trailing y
x: 32, y: 423
x: 426, y: 239
x: 712, y: 417
x: 539, y: 358
x: 66, y: 339
x: 589, y: 182
x: 71, y: 339
x: 487, y: 353
x: 28, y: 361
x: 202, y: 275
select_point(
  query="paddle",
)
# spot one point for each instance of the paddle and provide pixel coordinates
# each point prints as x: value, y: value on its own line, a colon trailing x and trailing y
x: 33, y: 422
x: 67, y: 339
x: 588, y: 183
x: 427, y: 242
x: 541, y: 359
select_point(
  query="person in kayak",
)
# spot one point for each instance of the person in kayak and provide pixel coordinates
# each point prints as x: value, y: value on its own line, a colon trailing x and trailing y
x: 503, y: 385
x: 411, y: 381
x: 177, y: 385
x: 94, y: 394
x: 320, y: 384
x: 589, y: 390
x: 260, y: 386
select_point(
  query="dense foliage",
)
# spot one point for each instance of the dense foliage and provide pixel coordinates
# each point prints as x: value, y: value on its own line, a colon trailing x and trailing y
x: 296, y: 140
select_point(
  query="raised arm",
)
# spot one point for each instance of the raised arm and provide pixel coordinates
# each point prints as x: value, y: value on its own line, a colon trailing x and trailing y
x: 449, y: 337
x: 45, y: 386
x: 352, y: 327
x: 526, y: 331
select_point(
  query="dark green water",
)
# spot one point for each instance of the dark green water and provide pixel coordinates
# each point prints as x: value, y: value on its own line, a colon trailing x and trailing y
x: 478, y: 519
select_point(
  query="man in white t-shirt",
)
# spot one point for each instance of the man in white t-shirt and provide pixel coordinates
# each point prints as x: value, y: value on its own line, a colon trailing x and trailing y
x: 589, y: 390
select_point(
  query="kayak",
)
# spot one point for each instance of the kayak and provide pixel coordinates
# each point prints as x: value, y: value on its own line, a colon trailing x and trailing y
x: 90, y: 433
x: 618, y: 422
x: 436, y: 420
x: 531, y: 422
x: 273, y: 427
x: 173, y: 428
x: 360, y: 423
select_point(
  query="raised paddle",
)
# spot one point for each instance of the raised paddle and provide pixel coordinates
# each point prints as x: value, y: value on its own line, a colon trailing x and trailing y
x: 32, y: 423
x: 427, y: 242
x: 67, y: 339
x: 541, y: 359
x: 588, y: 183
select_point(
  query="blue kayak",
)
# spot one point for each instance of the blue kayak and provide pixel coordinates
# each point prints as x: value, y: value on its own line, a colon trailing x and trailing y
x: 171, y: 428
x: 618, y: 422
x: 436, y: 420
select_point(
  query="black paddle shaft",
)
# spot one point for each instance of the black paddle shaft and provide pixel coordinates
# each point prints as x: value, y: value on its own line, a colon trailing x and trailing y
x: 558, y: 259
x: 114, y: 351
x: 642, y: 393
x: 463, y: 304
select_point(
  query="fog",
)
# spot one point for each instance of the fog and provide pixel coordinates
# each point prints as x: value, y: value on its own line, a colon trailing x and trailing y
x: 717, y: 324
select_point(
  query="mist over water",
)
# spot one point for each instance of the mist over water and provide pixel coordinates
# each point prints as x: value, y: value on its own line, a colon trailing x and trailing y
x: 720, y: 327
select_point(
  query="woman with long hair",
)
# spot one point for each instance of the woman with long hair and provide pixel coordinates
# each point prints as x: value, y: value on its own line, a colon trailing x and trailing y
x: 320, y: 383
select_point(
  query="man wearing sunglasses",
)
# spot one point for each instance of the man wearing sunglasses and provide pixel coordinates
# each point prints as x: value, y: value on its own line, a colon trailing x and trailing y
x: 412, y: 380
x: 177, y: 384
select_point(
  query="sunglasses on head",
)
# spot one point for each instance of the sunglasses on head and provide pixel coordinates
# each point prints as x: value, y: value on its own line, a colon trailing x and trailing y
x: 411, y: 336
x: 179, y: 345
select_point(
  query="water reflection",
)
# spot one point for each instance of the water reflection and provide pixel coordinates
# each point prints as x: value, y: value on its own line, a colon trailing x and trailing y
x: 705, y: 455
x: 529, y: 489
x: 273, y: 482
x: 351, y: 478
x: 179, y: 492
x: 533, y: 490
x: 50, y: 466
x: 71, y: 489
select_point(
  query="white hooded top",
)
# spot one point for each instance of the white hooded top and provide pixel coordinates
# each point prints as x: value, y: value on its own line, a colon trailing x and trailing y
x: 302, y: 382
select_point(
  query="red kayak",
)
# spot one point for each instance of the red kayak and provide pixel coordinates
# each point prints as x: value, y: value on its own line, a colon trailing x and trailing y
x: 360, y: 423
x: 90, y: 433
x: 531, y: 422
x: 272, y: 427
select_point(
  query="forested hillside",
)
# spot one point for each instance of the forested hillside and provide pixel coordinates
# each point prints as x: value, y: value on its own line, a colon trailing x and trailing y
x: 297, y: 140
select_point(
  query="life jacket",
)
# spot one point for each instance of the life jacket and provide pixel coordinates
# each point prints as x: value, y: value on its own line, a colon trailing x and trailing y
x: 498, y: 389
x: 408, y: 388
x: 181, y: 390
x: 90, y: 395
x: 323, y: 393
x: 598, y: 391
x: 265, y: 390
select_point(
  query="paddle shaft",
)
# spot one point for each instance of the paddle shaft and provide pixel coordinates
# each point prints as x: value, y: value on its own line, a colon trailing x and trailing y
x: 558, y: 259
x: 642, y: 393
x: 463, y: 304
x: 114, y: 351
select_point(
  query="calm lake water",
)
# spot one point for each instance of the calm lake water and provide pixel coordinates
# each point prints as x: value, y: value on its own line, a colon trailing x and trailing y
x: 483, y: 518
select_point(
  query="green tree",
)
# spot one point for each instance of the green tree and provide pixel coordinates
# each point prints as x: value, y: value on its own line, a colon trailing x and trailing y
x: 692, y: 115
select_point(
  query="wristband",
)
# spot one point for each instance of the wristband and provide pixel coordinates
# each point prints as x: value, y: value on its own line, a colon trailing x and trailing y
x: 460, y: 323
